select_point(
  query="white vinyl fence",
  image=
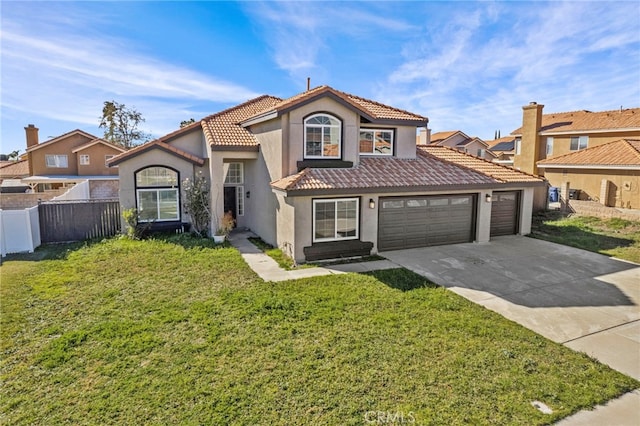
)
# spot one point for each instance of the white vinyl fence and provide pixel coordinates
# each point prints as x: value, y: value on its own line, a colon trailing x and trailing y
x: 19, y: 230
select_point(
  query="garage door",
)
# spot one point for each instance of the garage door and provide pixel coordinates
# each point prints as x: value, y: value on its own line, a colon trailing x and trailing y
x: 407, y: 222
x: 504, y: 213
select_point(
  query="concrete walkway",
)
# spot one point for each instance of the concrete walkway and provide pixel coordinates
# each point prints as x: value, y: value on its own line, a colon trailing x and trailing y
x: 583, y: 300
x: 269, y: 270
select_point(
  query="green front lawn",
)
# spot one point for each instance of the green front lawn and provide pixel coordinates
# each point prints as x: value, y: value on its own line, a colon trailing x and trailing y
x: 179, y: 331
x: 614, y: 237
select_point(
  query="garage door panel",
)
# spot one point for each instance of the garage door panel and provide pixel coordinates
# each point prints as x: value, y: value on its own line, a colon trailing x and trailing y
x: 504, y: 213
x: 427, y: 220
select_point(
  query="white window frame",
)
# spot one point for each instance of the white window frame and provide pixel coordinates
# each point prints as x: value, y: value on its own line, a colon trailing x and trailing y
x: 107, y: 158
x: 518, y: 146
x: 549, y: 146
x: 373, y: 144
x: 480, y: 152
x: 323, y: 127
x: 240, y: 180
x: 57, y: 161
x: 85, y: 160
x: 157, y: 191
x: 582, y: 141
x: 335, y: 201
x: 240, y: 200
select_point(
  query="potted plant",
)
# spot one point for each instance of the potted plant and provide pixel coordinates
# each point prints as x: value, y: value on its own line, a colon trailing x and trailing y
x: 226, y: 225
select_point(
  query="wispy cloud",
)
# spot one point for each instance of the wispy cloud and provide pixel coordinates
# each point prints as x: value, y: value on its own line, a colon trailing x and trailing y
x: 299, y: 34
x: 63, y: 72
x: 491, y: 60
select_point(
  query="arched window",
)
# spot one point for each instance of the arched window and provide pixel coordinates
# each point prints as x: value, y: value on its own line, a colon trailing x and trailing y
x: 157, y: 194
x: 322, y: 136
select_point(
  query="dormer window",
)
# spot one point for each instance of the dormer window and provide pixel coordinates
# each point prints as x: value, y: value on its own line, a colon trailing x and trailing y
x: 376, y: 142
x: 322, y: 136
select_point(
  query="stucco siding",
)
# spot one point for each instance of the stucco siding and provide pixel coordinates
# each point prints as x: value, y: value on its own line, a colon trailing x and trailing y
x: 406, y: 142
x: 192, y: 142
x: 97, y: 157
x: 37, y: 158
x: 624, y: 186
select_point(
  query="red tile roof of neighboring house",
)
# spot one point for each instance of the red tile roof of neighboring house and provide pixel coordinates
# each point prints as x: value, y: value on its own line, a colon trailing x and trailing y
x: 371, y: 110
x: 622, y: 153
x: 586, y: 120
x: 223, y: 129
x: 58, y: 138
x: 97, y: 141
x: 434, y: 167
x: 493, y: 143
x: 156, y: 144
x: 14, y: 169
x: 439, y: 137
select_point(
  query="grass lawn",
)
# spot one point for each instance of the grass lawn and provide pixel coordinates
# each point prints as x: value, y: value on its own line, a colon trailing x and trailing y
x: 179, y: 331
x: 614, y: 237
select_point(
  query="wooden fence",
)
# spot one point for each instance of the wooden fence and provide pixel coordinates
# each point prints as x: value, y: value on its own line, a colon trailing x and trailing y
x: 78, y: 220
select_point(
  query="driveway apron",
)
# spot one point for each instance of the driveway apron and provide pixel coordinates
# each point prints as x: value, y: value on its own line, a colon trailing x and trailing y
x: 584, y: 300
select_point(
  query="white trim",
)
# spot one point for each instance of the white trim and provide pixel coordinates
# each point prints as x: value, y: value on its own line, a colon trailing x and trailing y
x: 227, y: 166
x: 549, y: 144
x: 157, y: 191
x: 240, y: 200
x: 56, y: 161
x: 84, y: 160
x: 589, y: 166
x: 322, y: 126
x: 589, y: 131
x: 374, y: 130
x: 335, y: 201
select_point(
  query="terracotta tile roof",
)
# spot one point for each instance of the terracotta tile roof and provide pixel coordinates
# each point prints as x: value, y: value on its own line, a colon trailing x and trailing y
x: 14, y: 169
x: 439, y: 137
x: 497, y: 171
x: 434, y: 167
x: 222, y: 129
x: 63, y: 136
x: 587, y: 120
x: 96, y: 141
x: 372, y: 110
x: 156, y: 144
x: 624, y: 152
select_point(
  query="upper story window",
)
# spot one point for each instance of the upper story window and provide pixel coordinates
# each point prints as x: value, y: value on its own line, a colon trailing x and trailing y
x: 84, y: 160
x: 549, y: 149
x: 322, y: 136
x: 518, y: 146
x: 56, y: 161
x: 376, y: 142
x: 578, y: 142
x: 157, y: 194
x: 234, y: 174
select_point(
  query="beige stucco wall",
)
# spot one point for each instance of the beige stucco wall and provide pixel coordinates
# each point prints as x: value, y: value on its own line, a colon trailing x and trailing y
x: 155, y: 157
x: 37, y: 162
x: 192, y: 142
x: 624, y: 186
x: 300, y: 234
x: 96, y: 166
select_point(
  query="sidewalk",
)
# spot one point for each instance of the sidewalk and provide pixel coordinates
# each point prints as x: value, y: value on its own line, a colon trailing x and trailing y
x: 269, y: 270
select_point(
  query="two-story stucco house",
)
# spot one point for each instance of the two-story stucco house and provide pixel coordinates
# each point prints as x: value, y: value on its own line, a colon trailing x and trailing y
x: 326, y: 174
x: 70, y: 158
x: 595, y: 154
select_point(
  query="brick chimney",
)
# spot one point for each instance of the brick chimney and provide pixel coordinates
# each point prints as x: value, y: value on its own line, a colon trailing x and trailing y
x: 530, y: 151
x: 32, y: 135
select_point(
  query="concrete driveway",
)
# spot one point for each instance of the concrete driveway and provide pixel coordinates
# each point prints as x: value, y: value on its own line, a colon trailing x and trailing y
x: 584, y: 300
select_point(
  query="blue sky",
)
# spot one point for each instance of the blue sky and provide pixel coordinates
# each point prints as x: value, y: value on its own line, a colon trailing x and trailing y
x: 466, y: 65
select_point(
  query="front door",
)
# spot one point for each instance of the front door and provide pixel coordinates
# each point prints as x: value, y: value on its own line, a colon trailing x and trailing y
x: 230, y: 200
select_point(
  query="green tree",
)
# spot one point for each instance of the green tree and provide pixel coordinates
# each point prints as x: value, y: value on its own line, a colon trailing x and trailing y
x: 185, y: 123
x: 121, y: 125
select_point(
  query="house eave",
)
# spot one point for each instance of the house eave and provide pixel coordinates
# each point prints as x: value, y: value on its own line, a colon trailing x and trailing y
x: 407, y: 189
x: 590, y: 166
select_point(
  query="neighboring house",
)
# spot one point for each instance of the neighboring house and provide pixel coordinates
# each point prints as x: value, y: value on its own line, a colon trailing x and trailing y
x: 608, y: 173
x: 11, y: 173
x: 327, y: 174
x: 462, y: 142
x: 65, y: 160
x: 503, y: 149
